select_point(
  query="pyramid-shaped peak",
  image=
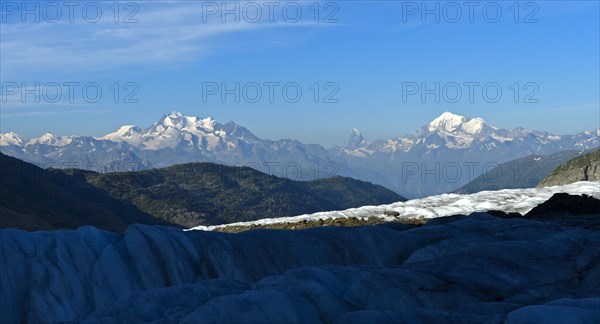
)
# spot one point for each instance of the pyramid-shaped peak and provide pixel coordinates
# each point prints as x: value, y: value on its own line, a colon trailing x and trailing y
x: 356, y: 140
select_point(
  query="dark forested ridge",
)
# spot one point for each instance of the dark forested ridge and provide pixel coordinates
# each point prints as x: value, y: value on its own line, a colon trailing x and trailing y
x: 207, y: 193
x: 185, y: 195
x: 32, y: 198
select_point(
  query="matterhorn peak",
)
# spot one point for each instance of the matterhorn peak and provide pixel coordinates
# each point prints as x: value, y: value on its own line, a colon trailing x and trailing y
x: 356, y: 140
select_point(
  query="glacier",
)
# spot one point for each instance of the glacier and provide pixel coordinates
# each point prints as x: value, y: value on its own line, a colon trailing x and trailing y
x: 508, y: 200
x: 478, y: 268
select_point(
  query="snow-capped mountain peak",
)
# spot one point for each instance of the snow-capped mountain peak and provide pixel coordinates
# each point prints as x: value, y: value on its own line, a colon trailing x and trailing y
x: 50, y: 139
x: 356, y: 140
x: 174, y: 130
x: 461, y: 132
x: 451, y: 123
x: 127, y: 129
x: 208, y: 123
x: 180, y: 122
x: 447, y: 121
x: 11, y: 138
x: 126, y: 133
x: 179, y: 130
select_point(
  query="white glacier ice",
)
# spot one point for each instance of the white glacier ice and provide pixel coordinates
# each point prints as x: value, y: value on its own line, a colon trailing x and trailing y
x: 471, y: 269
x: 475, y: 269
x: 508, y: 200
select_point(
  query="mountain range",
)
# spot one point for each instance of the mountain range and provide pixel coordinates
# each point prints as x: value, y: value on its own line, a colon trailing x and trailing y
x: 441, y: 156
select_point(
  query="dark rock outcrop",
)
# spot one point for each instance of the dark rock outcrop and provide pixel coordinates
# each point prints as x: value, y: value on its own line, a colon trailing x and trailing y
x: 501, y: 214
x: 565, y: 205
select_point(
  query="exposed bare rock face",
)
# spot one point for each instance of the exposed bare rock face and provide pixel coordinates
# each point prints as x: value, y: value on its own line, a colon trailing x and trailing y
x: 583, y: 168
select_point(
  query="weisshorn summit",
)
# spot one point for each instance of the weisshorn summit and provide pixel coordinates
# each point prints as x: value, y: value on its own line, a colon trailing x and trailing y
x: 439, y: 157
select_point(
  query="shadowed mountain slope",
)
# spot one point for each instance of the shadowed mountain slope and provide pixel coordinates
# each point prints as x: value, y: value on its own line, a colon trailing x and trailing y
x: 185, y: 195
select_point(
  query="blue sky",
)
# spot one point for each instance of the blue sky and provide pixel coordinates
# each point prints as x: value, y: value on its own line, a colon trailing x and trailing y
x: 367, y: 52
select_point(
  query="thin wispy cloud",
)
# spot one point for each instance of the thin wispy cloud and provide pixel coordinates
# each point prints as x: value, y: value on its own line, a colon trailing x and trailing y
x: 166, y: 33
x: 39, y: 113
